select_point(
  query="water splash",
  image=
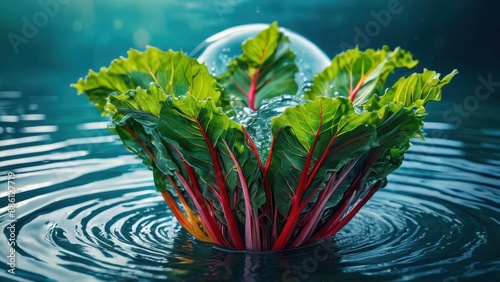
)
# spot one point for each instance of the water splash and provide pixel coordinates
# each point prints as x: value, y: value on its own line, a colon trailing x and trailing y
x: 258, y: 123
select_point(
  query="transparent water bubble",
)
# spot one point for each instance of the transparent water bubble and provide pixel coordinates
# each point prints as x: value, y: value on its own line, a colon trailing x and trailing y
x: 218, y: 50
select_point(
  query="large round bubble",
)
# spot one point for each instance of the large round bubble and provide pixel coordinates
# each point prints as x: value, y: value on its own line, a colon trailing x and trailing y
x: 218, y: 50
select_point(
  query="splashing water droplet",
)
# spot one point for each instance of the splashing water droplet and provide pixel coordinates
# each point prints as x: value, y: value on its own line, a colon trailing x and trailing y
x: 305, y: 86
x: 258, y: 123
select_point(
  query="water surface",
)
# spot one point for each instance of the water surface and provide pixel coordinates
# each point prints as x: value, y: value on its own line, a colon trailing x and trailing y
x: 86, y: 209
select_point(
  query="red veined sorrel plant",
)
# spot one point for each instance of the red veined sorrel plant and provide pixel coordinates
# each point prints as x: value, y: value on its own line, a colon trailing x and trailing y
x: 328, y: 155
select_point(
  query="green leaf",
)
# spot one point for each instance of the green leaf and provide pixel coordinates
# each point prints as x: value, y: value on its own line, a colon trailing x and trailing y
x: 196, y: 126
x: 397, y: 125
x: 312, y: 141
x: 413, y: 91
x: 266, y: 69
x: 166, y: 109
x: 203, y: 134
x: 221, y: 154
x: 136, y: 118
x: 146, y: 100
x: 307, y: 119
x: 174, y: 72
x: 358, y: 75
x: 131, y: 141
x: 401, y: 113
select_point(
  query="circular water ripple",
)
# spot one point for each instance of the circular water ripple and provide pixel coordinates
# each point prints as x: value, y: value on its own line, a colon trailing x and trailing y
x: 122, y: 232
x: 408, y: 234
x: 132, y: 230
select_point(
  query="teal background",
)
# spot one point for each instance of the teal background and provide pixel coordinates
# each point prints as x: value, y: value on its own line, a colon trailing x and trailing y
x: 87, y: 208
x: 443, y: 35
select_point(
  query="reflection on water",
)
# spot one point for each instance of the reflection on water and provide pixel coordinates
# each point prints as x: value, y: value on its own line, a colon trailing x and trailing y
x: 87, y: 209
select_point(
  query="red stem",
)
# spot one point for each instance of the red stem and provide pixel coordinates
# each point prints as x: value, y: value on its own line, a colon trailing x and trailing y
x: 252, y: 91
x: 267, y: 187
x: 221, y: 184
x: 274, y: 208
x: 204, y: 209
x: 201, y: 206
x: 315, y: 213
x: 353, y: 93
x: 268, y: 207
x: 141, y: 142
x: 353, y: 212
x: 297, y: 206
x: 252, y: 234
x: 348, y: 198
x: 199, y: 200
